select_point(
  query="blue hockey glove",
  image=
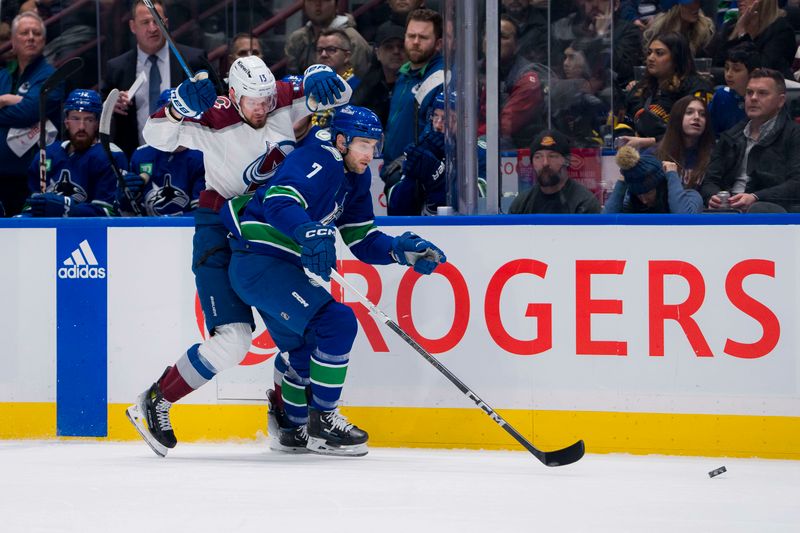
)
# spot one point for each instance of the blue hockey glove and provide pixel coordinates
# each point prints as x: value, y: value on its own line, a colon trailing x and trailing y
x: 49, y: 204
x: 410, y: 249
x: 193, y: 97
x: 321, y: 84
x: 434, y: 141
x: 423, y: 166
x: 318, y: 245
x: 129, y: 190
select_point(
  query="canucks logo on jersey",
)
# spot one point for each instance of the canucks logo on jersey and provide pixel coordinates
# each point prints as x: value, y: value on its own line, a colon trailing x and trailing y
x: 66, y: 187
x: 166, y: 200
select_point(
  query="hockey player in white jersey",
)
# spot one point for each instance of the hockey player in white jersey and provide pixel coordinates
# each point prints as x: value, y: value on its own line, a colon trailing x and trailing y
x: 244, y: 137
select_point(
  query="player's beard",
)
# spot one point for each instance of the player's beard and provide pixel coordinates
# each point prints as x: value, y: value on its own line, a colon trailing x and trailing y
x: 82, y: 143
x: 548, y: 177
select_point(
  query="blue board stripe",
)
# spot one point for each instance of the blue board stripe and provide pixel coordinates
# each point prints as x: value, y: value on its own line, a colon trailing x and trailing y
x: 81, y: 337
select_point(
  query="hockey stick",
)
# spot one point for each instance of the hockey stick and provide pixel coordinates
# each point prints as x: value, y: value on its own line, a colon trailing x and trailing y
x: 105, y: 140
x: 62, y: 73
x: 163, y: 27
x: 561, y: 457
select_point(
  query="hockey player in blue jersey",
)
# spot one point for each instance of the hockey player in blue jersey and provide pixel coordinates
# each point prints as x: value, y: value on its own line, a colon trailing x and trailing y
x: 80, y: 182
x: 290, y: 224
x: 162, y: 183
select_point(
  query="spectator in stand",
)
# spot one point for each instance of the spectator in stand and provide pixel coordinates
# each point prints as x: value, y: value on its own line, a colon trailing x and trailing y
x: 243, y: 45
x: 162, y: 183
x: 649, y: 186
x: 553, y: 193
x: 151, y: 56
x: 726, y: 108
x: 375, y: 90
x: 688, y: 141
x: 521, y: 96
x: 418, y: 83
x: 301, y: 45
x: 392, y: 11
x: 599, y: 19
x: 334, y: 50
x: 670, y: 75
x: 580, y: 102
x: 766, y: 26
x: 684, y: 17
x: 758, y: 161
x: 531, y: 17
x: 80, y: 181
x: 20, y: 84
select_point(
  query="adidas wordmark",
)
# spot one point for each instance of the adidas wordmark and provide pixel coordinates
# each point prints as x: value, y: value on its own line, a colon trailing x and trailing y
x: 81, y: 264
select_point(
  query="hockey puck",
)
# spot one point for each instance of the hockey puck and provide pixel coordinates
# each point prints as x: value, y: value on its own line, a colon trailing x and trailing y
x: 717, y: 471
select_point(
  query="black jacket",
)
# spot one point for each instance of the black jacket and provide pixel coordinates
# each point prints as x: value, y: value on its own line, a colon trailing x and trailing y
x: 775, y: 45
x: 121, y: 73
x: 773, y: 164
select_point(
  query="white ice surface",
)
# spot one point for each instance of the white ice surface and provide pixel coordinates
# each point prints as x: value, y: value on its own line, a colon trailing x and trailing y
x: 123, y: 487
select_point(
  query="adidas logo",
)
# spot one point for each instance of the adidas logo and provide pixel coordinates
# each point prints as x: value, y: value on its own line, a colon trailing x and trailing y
x: 81, y: 264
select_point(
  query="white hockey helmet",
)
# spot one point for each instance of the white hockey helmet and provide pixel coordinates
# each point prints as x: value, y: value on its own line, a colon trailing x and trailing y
x: 250, y: 76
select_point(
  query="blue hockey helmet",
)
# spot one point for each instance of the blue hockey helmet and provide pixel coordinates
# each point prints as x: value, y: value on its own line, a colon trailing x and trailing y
x: 354, y: 121
x: 84, y: 100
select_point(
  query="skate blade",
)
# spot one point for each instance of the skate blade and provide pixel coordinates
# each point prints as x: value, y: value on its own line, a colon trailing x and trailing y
x: 278, y: 447
x: 320, y: 446
x: 134, y: 414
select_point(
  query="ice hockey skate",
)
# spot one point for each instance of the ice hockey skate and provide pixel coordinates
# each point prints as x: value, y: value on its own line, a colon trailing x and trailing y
x: 150, y: 416
x: 282, y: 437
x: 329, y: 433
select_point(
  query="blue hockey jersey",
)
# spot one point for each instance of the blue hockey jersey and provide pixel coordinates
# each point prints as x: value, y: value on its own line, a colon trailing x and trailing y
x: 86, y: 177
x: 311, y: 184
x: 176, y: 180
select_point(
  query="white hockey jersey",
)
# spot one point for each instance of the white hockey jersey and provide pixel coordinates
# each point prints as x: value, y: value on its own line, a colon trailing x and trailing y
x: 236, y: 156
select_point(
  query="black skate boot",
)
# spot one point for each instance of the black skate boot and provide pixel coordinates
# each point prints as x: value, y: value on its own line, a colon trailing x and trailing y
x: 283, y: 437
x: 150, y: 417
x: 329, y: 433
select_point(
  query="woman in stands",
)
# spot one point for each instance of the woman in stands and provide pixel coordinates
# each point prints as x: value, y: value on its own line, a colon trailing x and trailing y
x: 766, y: 26
x: 670, y: 76
x: 689, y: 140
x: 686, y: 18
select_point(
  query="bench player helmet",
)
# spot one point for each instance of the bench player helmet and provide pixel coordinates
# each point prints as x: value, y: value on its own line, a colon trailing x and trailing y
x: 84, y: 100
x: 250, y: 76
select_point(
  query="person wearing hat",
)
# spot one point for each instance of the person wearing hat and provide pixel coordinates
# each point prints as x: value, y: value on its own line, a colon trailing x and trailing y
x: 375, y: 90
x: 553, y: 193
x: 79, y: 179
x: 649, y: 186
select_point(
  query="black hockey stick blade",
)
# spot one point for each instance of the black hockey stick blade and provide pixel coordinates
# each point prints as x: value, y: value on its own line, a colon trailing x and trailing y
x: 70, y: 67
x: 564, y: 456
x: 561, y: 457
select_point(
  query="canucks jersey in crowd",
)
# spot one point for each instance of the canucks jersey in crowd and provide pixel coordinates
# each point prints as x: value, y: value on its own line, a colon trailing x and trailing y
x: 174, y: 183
x: 311, y: 183
x: 84, y: 177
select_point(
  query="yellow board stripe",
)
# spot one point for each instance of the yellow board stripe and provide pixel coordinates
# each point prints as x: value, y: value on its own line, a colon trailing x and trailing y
x: 604, y: 432
x: 27, y: 420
